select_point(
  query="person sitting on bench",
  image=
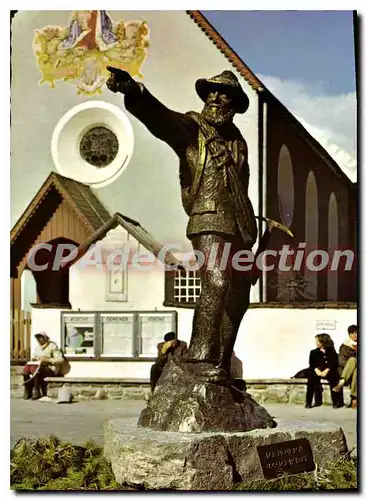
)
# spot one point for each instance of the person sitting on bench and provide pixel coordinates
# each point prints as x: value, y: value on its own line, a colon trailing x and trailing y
x: 171, y: 345
x: 348, y: 365
x: 47, y: 361
x: 323, y: 364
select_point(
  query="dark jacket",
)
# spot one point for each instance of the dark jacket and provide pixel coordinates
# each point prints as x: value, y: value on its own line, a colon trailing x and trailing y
x: 322, y: 360
x: 346, y: 352
x: 180, y: 349
x: 159, y: 348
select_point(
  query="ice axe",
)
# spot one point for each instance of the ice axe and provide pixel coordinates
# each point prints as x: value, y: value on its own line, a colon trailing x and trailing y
x: 264, y: 241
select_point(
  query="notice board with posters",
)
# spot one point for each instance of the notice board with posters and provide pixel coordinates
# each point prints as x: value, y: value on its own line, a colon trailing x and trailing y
x: 152, y: 328
x: 117, y: 331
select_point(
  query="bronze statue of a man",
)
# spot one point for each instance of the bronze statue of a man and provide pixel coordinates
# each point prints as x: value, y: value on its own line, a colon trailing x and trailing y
x: 214, y: 176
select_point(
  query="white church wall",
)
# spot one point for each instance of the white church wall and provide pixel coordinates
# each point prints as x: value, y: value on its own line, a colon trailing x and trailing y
x: 145, y: 290
x: 264, y: 354
x: 144, y: 286
x: 275, y: 343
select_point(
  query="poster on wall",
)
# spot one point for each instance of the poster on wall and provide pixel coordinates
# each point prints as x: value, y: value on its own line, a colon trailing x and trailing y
x: 117, y: 334
x: 79, y: 335
x: 325, y: 324
x: 152, y: 328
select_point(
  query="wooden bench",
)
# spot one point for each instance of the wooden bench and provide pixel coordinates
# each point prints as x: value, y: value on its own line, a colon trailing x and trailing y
x: 289, y: 390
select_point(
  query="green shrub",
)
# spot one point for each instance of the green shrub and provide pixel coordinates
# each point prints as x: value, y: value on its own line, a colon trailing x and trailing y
x: 50, y: 464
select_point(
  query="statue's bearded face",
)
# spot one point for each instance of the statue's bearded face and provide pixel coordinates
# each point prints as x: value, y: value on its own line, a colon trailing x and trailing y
x: 218, y: 109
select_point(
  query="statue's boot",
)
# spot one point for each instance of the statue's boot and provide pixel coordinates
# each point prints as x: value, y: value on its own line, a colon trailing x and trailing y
x: 216, y: 374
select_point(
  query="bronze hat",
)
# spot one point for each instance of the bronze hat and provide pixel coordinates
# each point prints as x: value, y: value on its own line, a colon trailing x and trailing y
x: 228, y: 80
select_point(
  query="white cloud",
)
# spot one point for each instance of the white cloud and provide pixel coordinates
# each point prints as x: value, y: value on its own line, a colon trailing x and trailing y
x: 330, y: 119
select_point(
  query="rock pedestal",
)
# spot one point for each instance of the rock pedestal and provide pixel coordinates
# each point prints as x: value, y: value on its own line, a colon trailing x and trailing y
x: 184, y: 400
x: 144, y: 458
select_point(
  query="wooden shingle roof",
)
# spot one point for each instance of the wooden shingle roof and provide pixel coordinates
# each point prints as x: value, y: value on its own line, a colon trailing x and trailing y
x: 223, y: 46
x: 132, y: 227
x: 80, y: 197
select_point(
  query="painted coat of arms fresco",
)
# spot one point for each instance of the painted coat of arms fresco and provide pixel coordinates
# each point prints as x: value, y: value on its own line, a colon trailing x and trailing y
x: 80, y: 52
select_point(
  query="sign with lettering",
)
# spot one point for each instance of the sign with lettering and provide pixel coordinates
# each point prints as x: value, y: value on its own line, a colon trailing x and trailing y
x: 79, y: 319
x: 287, y: 457
x: 325, y: 324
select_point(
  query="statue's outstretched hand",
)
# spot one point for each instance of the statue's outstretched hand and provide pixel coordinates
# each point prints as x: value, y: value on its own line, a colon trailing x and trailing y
x: 120, y: 81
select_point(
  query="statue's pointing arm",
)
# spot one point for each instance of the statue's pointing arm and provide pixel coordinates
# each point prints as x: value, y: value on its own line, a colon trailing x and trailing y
x: 176, y: 129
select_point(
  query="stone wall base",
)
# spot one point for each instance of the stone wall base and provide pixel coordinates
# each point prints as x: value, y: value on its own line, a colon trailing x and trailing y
x: 287, y: 391
x: 83, y: 392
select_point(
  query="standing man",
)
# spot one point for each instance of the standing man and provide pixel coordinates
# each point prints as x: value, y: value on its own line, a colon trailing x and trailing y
x: 214, y: 177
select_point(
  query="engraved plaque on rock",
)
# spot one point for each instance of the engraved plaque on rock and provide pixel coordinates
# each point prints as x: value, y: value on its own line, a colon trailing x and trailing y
x: 286, y: 457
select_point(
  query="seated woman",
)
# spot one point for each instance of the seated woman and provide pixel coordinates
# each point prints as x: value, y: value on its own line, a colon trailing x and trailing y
x: 47, y: 361
x: 323, y: 364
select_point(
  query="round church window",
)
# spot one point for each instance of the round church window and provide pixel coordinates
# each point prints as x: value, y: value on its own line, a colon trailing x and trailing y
x: 99, y: 146
x: 93, y: 143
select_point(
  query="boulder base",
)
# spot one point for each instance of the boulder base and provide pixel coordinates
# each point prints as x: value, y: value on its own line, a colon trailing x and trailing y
x: 184, y: 400
x: 144, y: 458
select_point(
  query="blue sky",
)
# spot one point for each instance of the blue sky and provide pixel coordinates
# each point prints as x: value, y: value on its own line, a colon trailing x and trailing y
x: 306, y: 59
x: 315, y: 47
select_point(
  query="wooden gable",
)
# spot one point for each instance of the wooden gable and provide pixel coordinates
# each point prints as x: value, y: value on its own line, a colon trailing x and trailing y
x: 62, y: 208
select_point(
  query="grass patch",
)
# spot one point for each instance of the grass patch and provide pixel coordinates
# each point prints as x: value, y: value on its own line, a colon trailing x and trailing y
x: 51, y: 464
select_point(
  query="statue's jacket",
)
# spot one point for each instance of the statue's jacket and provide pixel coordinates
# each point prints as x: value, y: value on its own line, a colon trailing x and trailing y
x: 206, y: 197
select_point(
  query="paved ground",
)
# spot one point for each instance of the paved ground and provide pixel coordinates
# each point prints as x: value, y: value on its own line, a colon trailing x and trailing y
x: 80, y: 421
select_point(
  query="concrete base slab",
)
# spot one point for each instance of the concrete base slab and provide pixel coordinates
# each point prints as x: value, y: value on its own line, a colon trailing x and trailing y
x: 206, y: 461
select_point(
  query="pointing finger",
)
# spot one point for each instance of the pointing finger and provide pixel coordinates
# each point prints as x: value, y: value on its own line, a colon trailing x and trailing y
x: 113, y: 70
